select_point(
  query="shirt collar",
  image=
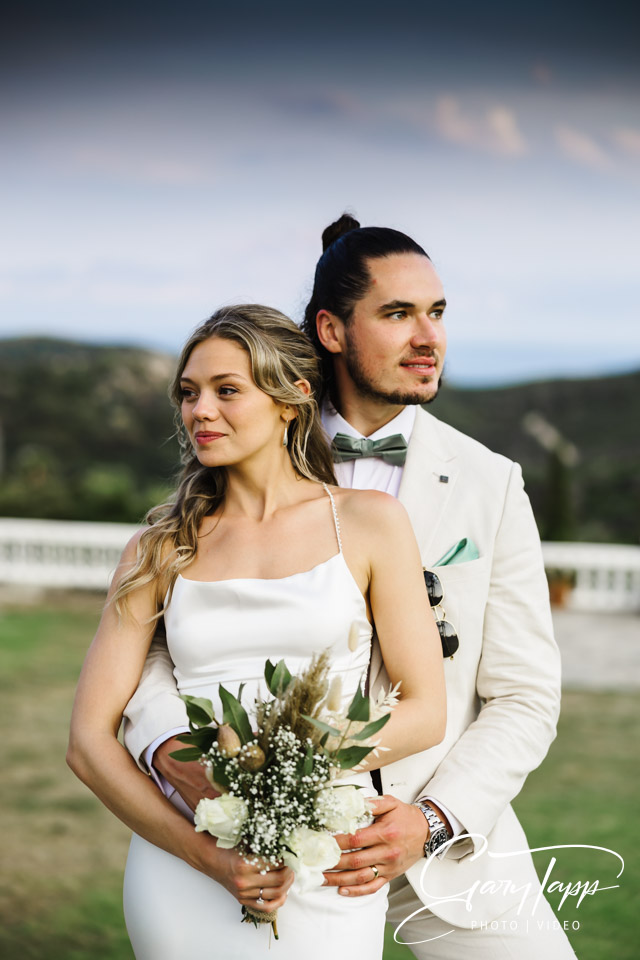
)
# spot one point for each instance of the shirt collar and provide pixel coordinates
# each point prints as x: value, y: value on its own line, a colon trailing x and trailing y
x: 335, y: 423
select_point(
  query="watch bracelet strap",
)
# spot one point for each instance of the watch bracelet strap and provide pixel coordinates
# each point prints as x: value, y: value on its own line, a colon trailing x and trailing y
x: 434, y: 822
x: 428, y: 811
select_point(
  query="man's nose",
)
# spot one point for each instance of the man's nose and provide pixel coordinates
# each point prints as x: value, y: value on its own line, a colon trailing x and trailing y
x: 427, y: 332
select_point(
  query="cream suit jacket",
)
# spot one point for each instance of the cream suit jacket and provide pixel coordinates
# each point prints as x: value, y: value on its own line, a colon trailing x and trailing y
x: 503, y: 684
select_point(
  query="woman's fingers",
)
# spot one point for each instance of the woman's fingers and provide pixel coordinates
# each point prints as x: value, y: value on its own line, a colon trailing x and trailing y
x: 271, y: 887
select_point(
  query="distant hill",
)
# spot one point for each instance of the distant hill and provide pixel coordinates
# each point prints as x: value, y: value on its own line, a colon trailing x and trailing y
x: 600, y: 417
x: 88, y: 434
x: 87, y: 429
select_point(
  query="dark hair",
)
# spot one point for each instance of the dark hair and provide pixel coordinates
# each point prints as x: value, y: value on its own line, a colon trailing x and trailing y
x: 342, y: 275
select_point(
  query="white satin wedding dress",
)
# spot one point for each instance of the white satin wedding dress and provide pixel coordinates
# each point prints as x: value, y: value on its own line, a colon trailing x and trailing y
x: 223, y: 631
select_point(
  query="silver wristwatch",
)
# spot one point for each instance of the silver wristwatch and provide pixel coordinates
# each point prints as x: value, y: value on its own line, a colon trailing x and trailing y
x: 438, y: 834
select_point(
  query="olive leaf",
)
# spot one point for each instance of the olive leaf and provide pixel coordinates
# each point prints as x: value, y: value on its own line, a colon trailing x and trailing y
x: 277, y: 676
x: 359, y: 707
x: 324, y: 727
x: 199, y: 711
x: 351, y: 756
x: 370, y: 728
x: 235, y: 715
x: 187, y: 754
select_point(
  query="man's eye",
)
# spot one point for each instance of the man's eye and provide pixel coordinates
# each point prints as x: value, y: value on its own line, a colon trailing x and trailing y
x: 398, y: 314
x: 437, y: 314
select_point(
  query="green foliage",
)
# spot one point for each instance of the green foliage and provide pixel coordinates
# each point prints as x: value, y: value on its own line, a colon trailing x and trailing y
x: 598, y: 416
x: 103, y: 448
x: 277, y: 677
x: 359, y: 707
x: 350, y: 757
x: 371, y: 728
x: 235, y: 715
x: 201, y: 738
x: 559, y: 514
x: 324, y: 727
x: 199, y: 711
x: 187, y: 754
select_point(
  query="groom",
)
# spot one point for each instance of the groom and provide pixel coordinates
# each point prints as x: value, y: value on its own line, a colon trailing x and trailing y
x: 445, y: 837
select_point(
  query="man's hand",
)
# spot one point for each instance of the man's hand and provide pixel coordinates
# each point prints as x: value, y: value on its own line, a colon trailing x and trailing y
x: 187, y: 778
x: 392, y: 844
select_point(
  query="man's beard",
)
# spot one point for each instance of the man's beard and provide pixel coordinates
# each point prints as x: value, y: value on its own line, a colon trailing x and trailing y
x: 373, y: 392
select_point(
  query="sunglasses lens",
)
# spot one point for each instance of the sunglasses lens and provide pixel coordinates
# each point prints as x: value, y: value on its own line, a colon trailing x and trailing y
x: 434, y: 588
x: 448, y: 638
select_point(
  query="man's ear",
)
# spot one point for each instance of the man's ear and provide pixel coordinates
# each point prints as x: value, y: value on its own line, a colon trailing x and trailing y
x: 330, y: 331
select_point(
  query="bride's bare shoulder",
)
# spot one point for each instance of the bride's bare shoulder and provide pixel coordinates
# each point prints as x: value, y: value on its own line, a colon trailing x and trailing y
x: 366, y: 507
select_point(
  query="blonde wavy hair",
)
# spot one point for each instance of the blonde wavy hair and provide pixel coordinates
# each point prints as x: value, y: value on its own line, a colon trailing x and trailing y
x: 279, y: 353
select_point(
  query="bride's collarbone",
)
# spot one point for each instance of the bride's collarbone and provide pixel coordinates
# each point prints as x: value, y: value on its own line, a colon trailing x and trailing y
x: 266, y: 557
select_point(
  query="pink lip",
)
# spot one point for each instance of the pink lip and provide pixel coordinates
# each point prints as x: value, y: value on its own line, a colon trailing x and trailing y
x: 203, y: 437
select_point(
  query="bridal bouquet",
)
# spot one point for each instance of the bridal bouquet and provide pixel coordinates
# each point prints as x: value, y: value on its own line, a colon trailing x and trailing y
x: 278, y: 802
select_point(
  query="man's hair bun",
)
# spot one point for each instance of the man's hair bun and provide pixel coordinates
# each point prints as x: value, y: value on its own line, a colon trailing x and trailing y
x: 334, y: 231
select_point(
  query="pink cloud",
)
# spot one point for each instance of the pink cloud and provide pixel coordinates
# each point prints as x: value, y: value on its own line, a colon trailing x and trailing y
x: 582, y: 148
x: 494, y: 131
x: 628, y: 139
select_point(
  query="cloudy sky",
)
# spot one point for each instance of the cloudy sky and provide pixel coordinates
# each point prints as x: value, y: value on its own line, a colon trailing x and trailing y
x: 159, y: 160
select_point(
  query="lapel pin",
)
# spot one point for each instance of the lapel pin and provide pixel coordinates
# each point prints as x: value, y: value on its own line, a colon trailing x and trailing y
x: 443, y: 479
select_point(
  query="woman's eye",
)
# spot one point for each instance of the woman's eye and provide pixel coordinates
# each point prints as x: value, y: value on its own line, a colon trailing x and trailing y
x: 227, y: 391
x: 186, y: 393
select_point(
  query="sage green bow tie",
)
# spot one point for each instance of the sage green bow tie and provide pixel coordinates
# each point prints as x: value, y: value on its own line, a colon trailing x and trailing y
x: 390, y: 449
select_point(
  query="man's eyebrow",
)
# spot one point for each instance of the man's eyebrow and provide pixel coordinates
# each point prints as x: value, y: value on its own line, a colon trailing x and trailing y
x: 407, y: 305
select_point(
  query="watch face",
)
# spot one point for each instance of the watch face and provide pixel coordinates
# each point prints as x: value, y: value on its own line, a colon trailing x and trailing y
x: 437, y: 839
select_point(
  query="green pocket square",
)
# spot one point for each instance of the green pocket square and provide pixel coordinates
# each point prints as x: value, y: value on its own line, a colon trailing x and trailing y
x: 461, y: 552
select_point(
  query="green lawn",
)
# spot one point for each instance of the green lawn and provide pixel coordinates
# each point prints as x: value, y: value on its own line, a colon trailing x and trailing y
x: 63, y: 854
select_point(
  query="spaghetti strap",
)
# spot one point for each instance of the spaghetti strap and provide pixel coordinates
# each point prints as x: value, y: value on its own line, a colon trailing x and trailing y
x: 335, y: 515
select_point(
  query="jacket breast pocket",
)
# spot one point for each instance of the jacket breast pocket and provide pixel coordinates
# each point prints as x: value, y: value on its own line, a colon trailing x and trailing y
x: 465, y: 588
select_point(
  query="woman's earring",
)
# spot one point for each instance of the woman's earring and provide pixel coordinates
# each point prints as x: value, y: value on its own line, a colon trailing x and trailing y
x: 285, y: 439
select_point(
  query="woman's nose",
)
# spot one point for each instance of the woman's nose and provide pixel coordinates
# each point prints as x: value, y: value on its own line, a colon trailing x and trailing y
x: 205, y: 408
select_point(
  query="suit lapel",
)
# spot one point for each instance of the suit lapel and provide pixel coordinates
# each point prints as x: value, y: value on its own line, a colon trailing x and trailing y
x: 423, y: 491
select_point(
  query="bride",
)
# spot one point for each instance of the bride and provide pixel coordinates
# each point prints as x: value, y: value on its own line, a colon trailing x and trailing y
x: 258, y: 555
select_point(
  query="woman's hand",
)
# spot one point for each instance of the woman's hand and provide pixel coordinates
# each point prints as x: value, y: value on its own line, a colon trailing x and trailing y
x: 244, y: 881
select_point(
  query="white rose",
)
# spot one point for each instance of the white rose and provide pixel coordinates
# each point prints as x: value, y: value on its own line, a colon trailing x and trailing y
x: 222, y: 817
x: 343, y: 809
x: 313, y: 852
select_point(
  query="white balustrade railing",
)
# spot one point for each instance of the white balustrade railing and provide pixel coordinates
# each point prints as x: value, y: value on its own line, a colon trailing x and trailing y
x: 604, y: 576
x: 76, y: 555
x: 61, y: 553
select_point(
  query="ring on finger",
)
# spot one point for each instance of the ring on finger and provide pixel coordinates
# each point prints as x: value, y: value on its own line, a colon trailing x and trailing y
x: 259, y: 898
x: 375, y: 871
